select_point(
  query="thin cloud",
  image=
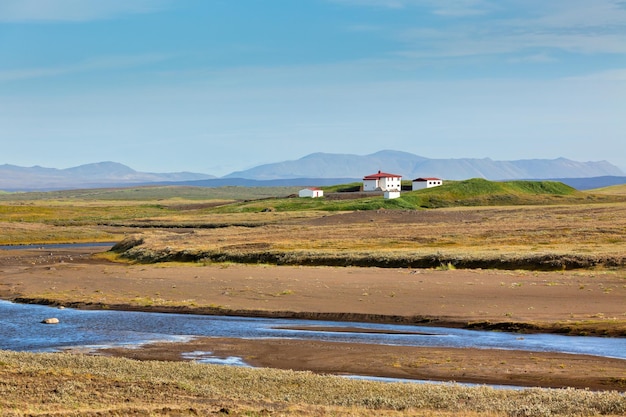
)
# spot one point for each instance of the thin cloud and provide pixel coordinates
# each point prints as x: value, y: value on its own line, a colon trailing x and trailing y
x: 450, y: 8
x: 74, y: 10
x: 389, y: 4
x: 488, y: 27
x: 461, y: 8
x: 460, y: 43
x: 535, y: 58
x: 96, y: 64
x: 570, y: 26
x: 579, y: 14
x: 609, y: 75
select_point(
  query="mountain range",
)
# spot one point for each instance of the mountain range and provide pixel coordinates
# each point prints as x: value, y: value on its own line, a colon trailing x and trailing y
x: 315, y: 169
x: 410, y: 166
x: 96, y: 175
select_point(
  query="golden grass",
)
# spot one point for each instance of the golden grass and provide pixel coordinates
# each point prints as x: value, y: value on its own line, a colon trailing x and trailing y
x: 72, y: 385
x: 568, y: 227
x: 593, y: 233
x: 18, y: 233
x: 612, y: 190
x: 81, y: 221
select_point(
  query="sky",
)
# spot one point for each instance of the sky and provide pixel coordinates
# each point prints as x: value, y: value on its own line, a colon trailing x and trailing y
x: 216, y: 86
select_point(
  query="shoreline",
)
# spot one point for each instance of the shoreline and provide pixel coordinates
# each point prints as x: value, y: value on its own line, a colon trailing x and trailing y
x: 464, y: 365
x: 346, y: 317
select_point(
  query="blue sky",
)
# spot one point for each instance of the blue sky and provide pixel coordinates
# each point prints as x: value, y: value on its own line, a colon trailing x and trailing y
x: 216, y: 86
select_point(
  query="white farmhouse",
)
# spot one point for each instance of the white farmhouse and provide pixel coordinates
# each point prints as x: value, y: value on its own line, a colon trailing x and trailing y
x: 382, y: 181
x: 421, y: 183
x: 311, y: 192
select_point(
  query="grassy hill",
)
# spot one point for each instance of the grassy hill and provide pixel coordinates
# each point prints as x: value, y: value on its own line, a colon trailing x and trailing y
x: 612, y: 190
x: 472, y: 192
x: 480, y: 192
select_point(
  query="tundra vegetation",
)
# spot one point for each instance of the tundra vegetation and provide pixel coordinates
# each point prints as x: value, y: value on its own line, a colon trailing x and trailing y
x: 464, y: 224
x: 80, y: 385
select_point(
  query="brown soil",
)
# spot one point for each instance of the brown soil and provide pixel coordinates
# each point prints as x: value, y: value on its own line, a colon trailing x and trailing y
x: 572, y: 301
x: 501, y: 367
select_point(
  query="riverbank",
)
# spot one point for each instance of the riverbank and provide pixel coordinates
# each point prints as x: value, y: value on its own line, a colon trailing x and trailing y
x: 577, y: 302
x: 581, y: 302
x: 477, y: 366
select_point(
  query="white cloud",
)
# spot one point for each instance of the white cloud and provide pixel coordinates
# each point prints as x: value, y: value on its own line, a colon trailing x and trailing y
x: 73, y: 10
x: 461, y: 8
x: 469, y: 42
x: 572, y: 26
x: 482, y: 27
x: 535, y: 58
x: 609, y: 75
x: 579, y: 14
x: 391, y: 4
x: 95, y: 64
x: 452, y: 8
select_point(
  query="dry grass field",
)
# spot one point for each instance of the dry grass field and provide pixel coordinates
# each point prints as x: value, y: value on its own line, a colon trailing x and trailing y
x: 528, y: 237
x: 80, y: 385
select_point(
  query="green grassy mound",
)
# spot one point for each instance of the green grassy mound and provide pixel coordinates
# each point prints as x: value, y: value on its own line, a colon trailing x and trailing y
x: 472, y: 192
x: 480, y: 192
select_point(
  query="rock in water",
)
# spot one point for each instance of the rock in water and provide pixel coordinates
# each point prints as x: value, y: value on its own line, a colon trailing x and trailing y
x: 51, y: 320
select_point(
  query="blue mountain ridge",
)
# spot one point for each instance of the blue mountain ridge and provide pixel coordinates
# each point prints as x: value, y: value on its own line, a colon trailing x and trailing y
x: 318, y: 169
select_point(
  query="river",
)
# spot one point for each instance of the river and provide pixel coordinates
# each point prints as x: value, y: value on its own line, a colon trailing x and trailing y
x: 21, y: 330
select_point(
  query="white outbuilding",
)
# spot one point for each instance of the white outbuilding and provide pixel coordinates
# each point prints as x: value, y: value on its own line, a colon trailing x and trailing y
x: 311, y: 192
x: 382, y: 181
x: 391, y: 194
x: 421, y: 183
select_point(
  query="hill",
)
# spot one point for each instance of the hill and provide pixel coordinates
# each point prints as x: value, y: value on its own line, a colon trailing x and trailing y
x: 96, y: 175
x: 611, y: 190
x: 409, y: 166
x: 472, y: 192
x: 481, y: 192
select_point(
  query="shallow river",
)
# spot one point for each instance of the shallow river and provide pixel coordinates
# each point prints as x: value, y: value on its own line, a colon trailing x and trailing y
x: 104, y: 245
x: 21, y: 330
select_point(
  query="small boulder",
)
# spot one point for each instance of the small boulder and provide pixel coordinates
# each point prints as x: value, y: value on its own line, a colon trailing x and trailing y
x: 51, y: 320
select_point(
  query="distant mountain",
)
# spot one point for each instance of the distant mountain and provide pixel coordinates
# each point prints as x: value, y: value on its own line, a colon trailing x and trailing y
x: 102, y: 174
x: 328, y: 165
x: 316, y: 169
x: 409, y: 166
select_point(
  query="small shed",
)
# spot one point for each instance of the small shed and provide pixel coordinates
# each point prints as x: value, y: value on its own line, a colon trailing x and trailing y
x: 421, y: 183
x: 391, y: 194
x: 311, y: 192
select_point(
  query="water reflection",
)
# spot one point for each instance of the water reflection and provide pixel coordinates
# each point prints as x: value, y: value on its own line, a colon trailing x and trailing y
x: 208, y: 357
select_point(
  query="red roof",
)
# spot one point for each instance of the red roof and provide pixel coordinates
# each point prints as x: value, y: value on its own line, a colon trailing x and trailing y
x: 427, y: 179
x: 380, y: 175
